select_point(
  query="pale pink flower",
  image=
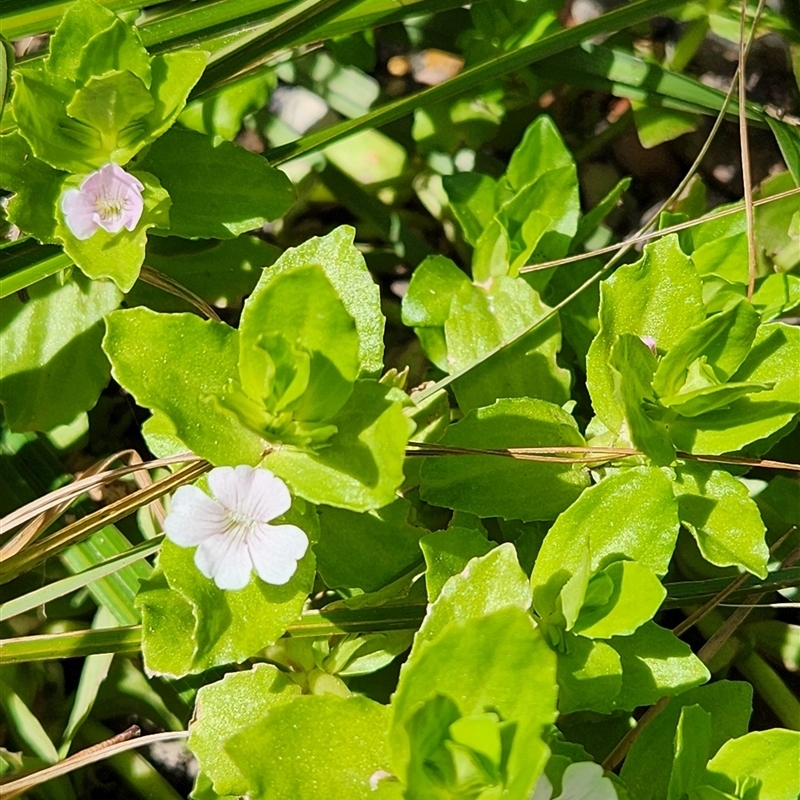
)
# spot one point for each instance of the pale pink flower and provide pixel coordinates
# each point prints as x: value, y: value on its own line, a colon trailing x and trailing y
x: 231, y: 530
x: 110, y: 199
x: 651, y: 343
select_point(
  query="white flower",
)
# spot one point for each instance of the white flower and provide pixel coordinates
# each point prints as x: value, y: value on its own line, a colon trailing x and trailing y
x: 232, y: 531
x: 582, y: 781
x: 109, y: 199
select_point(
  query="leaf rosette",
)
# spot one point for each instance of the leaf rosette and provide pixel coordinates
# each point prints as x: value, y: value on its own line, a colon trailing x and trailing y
x: 291, y: 389
x: 98, y: 97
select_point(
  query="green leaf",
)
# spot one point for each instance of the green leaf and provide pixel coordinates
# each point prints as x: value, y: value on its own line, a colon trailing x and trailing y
x: 40, y: 109
x: 489, y: 485
x: 426, y: 304
x: 633, y: 366
x: 789, y: 143
x: 113, y: 105
x: 345, y: 268
x: 299, y: 308
x: 367, y: 551
x: 646, y: 770
x: 777, y: 227
x: 168, y: 628
x: 636, y: 596
x: 174, y: 75
x: 542, y: 219
x: 222, y: 113
x: 720, y: 246
x: 542, y: 214
x: 768, y: 756
x: 82, y: 21
x: 468, y: 121
x: 218, y: 189
x: 227, y: 627
x: 361, y: 465
x: 107, y: 101
x: 724, y: 340
x: 632, y: 514
x: 776, y: 294
x: 346, y: 735
x: 36, y: 186
x: 692, y: 750
x: 772, y: 359
x: 655, y: 124
x: 723, y: 519
x: 589, y: 675
x: 117, y: 256
x: 541, y: 150
x: 471, y: 197
x: 431, y: 291
x: 655, y: 664
x: 488, y: 583
x: 52, y: 372
x: 367, y: 653
x: 440, y: 765
x: 223, y: 709
x: 117, y: 46
x: 447, y: 553
x: 199, y: 357
x: 482, y: 317
x: 642, y: 299
x: 369, y: 157
x: 492, y: 256
x: 498, y: 663
x: 710, y: 398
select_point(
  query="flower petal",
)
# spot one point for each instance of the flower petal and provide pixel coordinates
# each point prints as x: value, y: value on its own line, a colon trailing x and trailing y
x: 286, y: 540
x: 543, y: 790
x: 115, y: 175
x: 225, y: 559
x: 275, y: 551
x: 268, y: 497
x: 79, y: 213
x: 253, y: 492
x: 194, y: 517
x: 224, y: 486
x: 584, y: 781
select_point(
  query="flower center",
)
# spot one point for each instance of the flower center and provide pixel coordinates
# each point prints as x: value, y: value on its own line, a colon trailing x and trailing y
x: 110, y: 207
x: 239, y: 524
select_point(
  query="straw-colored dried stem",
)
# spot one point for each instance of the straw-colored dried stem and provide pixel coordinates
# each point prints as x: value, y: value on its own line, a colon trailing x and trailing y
x: 84, y: 485
x: 127, y: 740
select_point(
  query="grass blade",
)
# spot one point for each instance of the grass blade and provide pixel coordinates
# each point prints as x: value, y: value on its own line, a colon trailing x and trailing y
x: 94, y: 672
x: 23, y: 18
x: 626, y: 75
x: 116, y: 591
x: 128, y: 639
x: 283, y: 31
x: 45, y: 594
x: 27, y: 263
x: 74, y: 644
x: 476, y: 76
